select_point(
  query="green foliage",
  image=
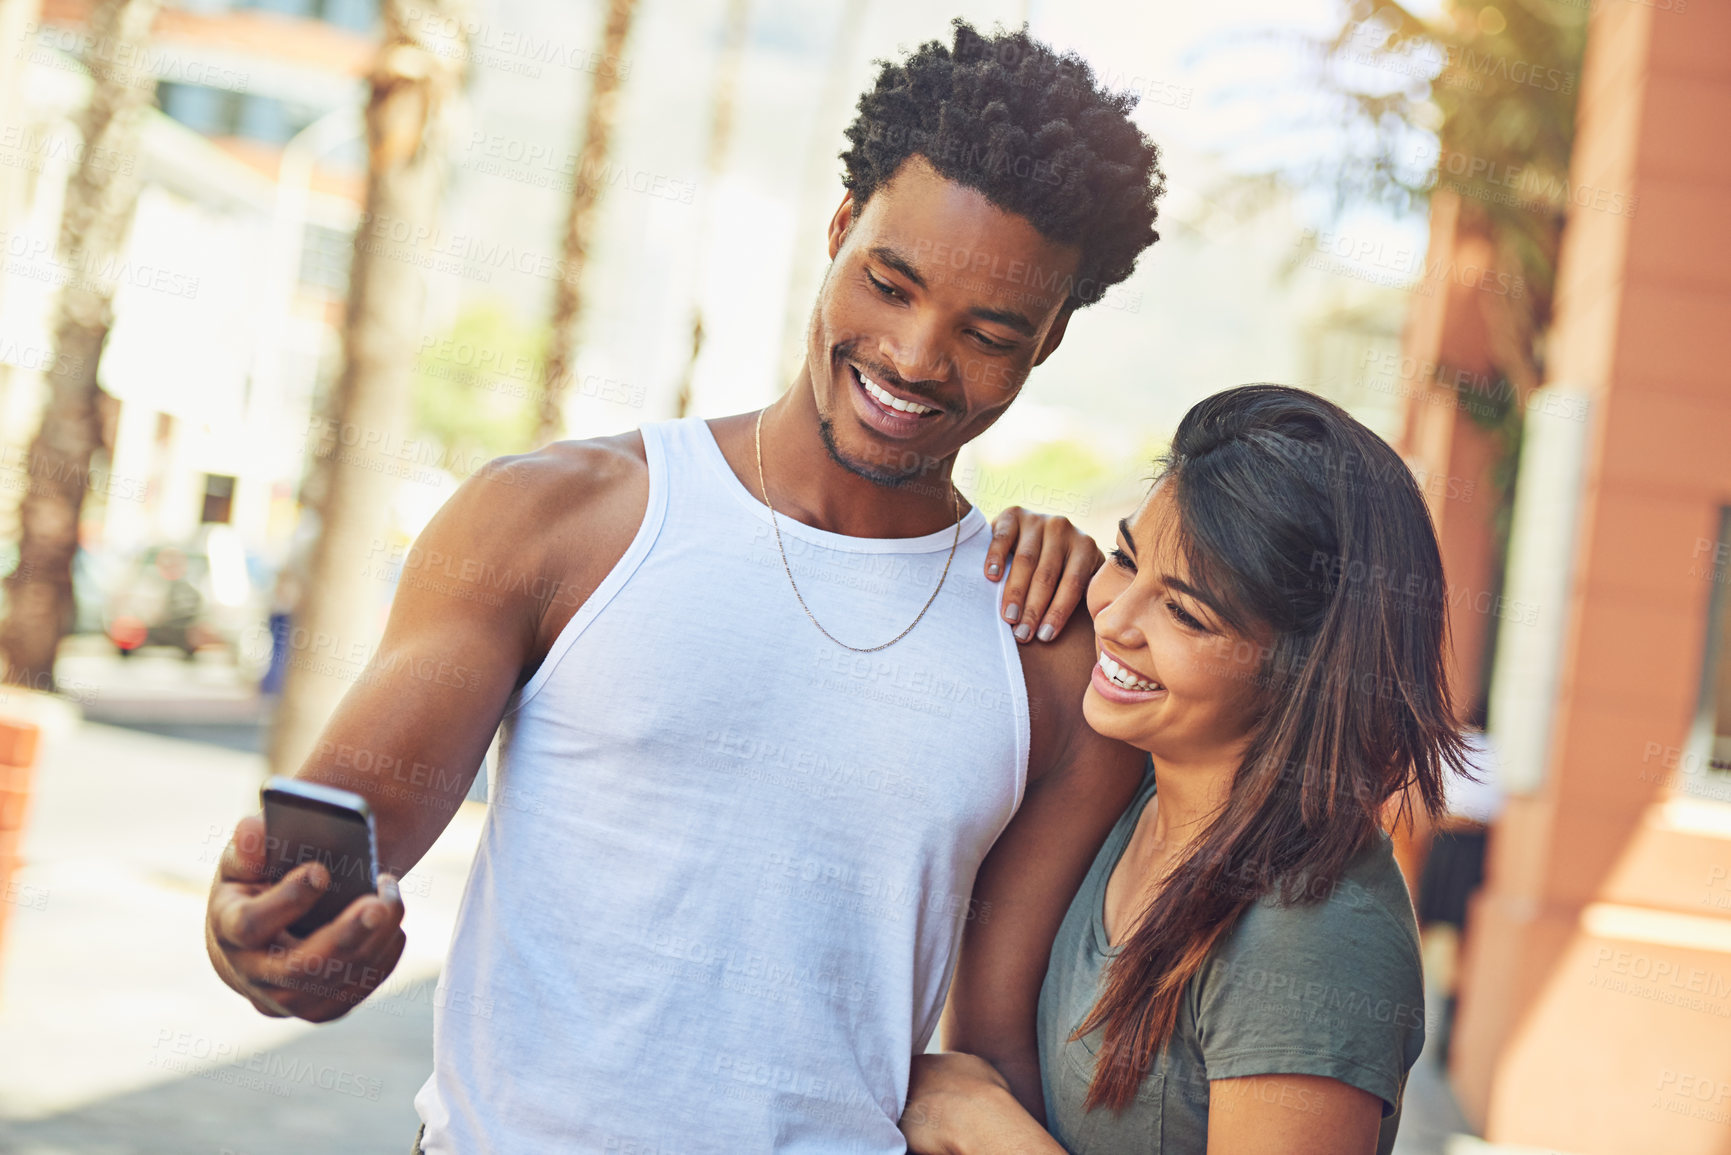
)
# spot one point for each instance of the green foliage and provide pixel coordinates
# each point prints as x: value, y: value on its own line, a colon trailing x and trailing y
x: 1503, y: 95
x: 1507, y: 97
x: 1504, y: 99
x: 1059, y: 477
x: 1479, y: 102
x: 476, y: 387
x: 1063, y: 464
x: 1494, y: 407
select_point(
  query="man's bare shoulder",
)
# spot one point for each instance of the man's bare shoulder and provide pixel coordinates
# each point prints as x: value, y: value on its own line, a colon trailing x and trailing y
x: 567, y: 490
x: 559, y: 519
x: 1092, y: 774
x: 1056, y: 674
x: 568, y: 478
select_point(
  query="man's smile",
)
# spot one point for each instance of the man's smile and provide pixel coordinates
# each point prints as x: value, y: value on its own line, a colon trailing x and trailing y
x: 887, y: 411
x: 884, y: 397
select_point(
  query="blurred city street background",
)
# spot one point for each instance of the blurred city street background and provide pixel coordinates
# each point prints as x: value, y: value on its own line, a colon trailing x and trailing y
x: 1494, y: 230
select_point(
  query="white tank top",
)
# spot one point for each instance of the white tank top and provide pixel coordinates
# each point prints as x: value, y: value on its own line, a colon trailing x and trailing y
x: 718, y: 894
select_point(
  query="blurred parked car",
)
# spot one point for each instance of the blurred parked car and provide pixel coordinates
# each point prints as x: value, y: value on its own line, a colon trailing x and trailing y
x: 94, y: 574
x: 202, y: 594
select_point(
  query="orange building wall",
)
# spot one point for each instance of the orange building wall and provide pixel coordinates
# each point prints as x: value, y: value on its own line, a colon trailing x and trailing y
x: 1446, y: 333
x: 1596, y: 1008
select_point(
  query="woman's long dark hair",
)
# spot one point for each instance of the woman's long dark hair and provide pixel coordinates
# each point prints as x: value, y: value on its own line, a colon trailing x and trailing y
x: 1298, y: 520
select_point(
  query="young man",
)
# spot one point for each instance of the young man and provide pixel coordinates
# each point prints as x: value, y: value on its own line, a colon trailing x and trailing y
x: 764, y: 720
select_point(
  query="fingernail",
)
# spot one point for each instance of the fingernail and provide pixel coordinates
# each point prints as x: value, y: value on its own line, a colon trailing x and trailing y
x: 1024, y: 632
x: 1047, y: 633
x: 372, y: 918
x: 1012, y: 613
x: 992, y: 570
x: 318, y: 878
x: 388, y: 888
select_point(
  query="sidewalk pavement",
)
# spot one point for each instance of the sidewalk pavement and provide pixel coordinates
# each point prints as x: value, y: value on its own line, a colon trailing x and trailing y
x: 116, y: 1037
x: 1431, y: 1122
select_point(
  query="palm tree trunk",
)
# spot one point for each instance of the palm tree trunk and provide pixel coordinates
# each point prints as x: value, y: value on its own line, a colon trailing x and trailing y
x: 592, y: 152
x: 720, y: 135
x: 100, y: 198
x: 822, y: 190
x: 18, y: 20
x: 414, y: 86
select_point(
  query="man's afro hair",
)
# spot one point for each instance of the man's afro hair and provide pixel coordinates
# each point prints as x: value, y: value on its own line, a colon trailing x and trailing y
x: 1028, y: 128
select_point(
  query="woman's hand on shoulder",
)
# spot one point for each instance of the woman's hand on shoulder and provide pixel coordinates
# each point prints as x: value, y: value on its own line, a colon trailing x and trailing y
x: 959, y: 1104
x: 1049, y: 561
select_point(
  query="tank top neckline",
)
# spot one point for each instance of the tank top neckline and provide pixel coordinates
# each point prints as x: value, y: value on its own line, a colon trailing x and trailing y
x: 972, y: 522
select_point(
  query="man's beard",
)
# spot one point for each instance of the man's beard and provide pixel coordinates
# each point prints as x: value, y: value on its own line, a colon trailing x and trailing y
x: 883, y: 477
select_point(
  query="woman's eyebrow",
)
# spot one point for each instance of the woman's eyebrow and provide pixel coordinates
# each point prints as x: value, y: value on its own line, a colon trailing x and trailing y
x: 1168, y: 580
x: 1189, y: 590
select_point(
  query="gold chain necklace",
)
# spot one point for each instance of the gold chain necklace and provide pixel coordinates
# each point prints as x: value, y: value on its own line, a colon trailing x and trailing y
x: 956, y: 503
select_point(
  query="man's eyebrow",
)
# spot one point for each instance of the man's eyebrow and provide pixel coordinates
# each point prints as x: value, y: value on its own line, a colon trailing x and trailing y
x: 1124, y: 528
x: 1009, y: 320
x: 899, y: 263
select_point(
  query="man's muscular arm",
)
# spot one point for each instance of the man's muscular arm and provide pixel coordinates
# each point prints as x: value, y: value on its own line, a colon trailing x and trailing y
x: 1078, y: 785
x: 489, y: 584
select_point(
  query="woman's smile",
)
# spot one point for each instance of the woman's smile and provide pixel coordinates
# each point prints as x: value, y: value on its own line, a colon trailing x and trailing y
x: 1117, y: 681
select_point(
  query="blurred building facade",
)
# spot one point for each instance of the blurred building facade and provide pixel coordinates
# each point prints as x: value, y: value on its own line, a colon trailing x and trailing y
x: 1595, y: 1012
x: 232, y: 281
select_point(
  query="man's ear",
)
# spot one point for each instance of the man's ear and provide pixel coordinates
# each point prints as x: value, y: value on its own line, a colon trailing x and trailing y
x: 1054, y: 335
x: 840, y: 223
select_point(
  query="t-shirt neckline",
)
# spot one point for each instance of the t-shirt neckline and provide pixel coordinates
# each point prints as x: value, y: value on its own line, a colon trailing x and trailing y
x: 1131, y: 817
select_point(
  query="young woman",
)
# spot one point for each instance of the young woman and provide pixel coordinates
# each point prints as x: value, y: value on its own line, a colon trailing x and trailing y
x: 1239, y: 972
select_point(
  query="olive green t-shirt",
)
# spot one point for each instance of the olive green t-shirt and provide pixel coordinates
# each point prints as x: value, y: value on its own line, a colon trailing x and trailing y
x: 1330, y: 988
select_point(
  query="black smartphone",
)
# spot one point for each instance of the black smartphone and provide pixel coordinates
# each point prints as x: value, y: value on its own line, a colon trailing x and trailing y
x: 307, y: 822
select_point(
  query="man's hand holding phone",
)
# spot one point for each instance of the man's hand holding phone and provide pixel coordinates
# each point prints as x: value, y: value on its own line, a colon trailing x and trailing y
x: 318, y: 978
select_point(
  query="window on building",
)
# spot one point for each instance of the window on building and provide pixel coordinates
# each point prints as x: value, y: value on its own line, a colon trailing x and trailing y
x: 223, y: 112
x: 264, y: 119
x: 1706, y: 765
x: 206, y: 110
x: 305, y: 9
x: 218, y: 499
x: 356, y: 15
x: 325, y: 254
